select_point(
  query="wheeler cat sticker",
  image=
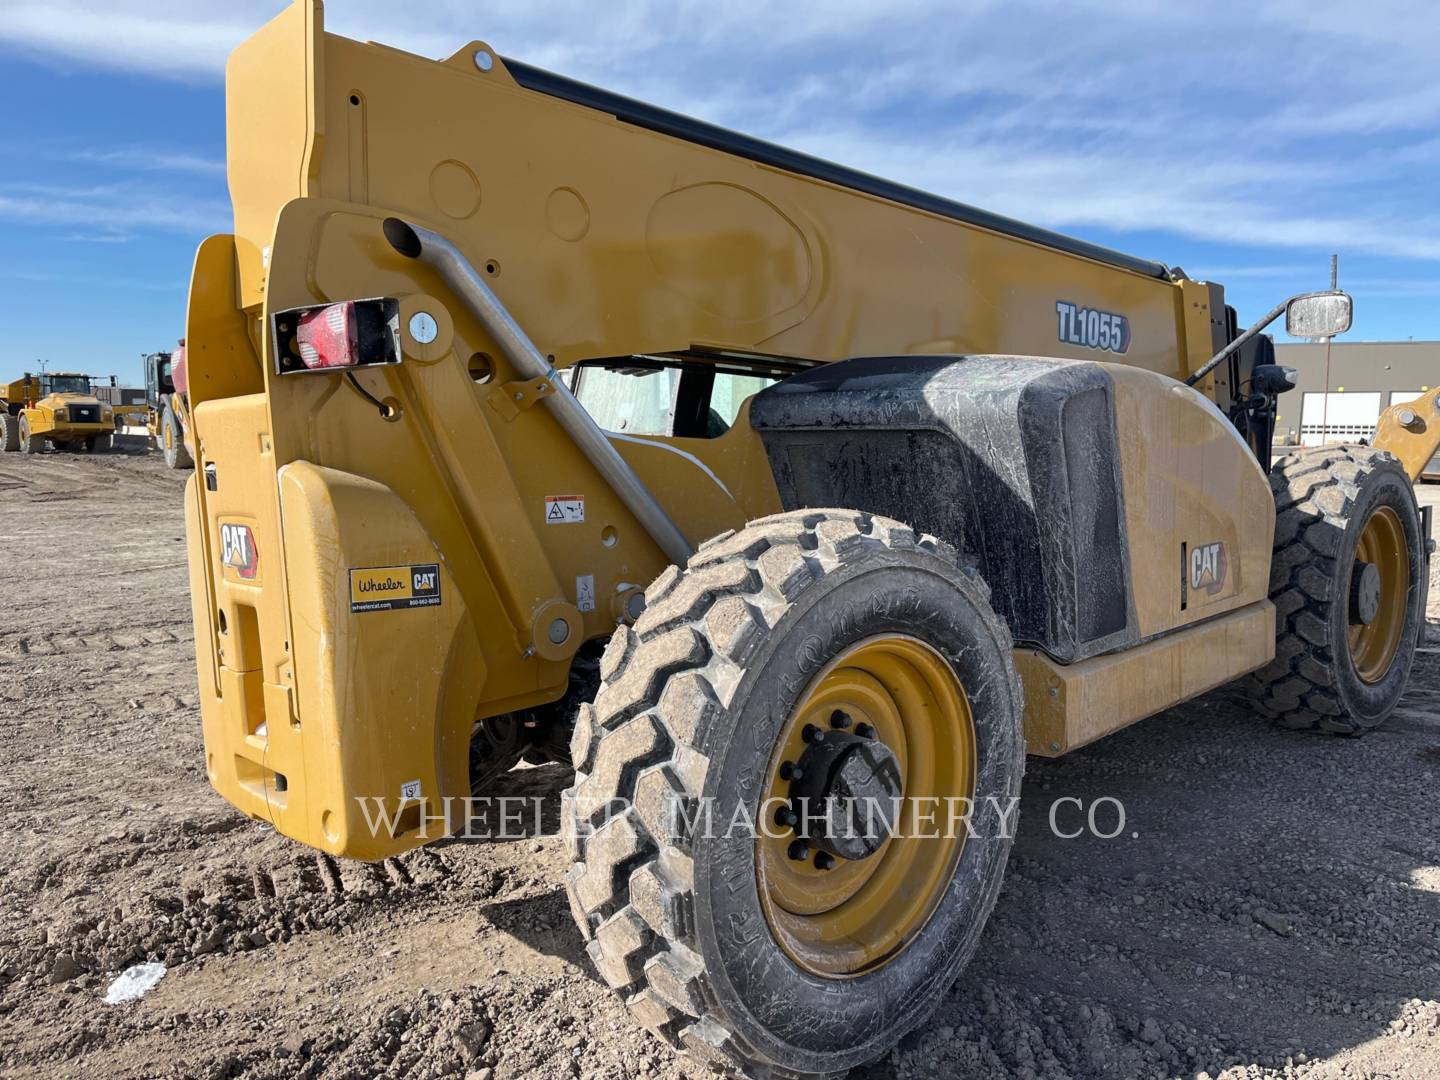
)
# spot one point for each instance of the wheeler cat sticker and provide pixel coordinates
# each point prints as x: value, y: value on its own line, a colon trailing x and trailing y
x: 1091, y: 328
x: 390, y: 588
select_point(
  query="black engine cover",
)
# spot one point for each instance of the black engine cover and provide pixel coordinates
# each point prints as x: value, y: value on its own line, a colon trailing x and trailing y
x: 1014, y: 460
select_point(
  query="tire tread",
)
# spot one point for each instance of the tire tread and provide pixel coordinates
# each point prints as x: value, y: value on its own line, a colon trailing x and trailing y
x: 1316, y: 490
x: 735, y: 588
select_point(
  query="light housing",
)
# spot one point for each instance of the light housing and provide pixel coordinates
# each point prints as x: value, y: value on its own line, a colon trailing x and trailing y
x: 339, y: 336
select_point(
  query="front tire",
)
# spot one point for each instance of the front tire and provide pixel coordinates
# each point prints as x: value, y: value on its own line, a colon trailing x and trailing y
x: 9, y: 433
x: 1348, y: 580
x: 29, y: 444
x: 172, y: 440
x: 812, y: 614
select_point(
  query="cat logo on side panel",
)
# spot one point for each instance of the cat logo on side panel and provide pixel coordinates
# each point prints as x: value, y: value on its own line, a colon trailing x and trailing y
x: 1207, y: 568
x: 237, y: 550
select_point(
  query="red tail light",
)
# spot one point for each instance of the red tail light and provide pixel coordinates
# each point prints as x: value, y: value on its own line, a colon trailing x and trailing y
x: 345, y: 334
x: 328, y: 337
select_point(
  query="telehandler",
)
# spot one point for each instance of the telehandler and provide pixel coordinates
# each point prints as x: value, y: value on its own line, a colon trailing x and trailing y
x: 57, y: 407
x: 529, y: 415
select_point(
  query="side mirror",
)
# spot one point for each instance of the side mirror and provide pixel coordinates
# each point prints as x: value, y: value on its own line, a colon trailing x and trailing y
x: 1316, y: 315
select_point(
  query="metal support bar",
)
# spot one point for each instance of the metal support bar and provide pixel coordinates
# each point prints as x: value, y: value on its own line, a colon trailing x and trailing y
x: 1234, y: 346
x: 434, y: 250
x: 1275, y: 312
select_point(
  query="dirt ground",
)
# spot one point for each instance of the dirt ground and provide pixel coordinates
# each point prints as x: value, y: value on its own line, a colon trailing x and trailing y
x: 1270, y: 909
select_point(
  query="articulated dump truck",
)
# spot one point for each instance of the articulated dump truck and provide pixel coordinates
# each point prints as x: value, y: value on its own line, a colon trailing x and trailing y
x: 58, y: 409
x: 533, y: 422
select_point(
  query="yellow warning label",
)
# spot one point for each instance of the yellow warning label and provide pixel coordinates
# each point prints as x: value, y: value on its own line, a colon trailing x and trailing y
x: 385, y: 588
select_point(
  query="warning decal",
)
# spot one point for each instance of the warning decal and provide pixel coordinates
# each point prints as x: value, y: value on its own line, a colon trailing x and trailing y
x: 385, y: 588
x: 564, y: 509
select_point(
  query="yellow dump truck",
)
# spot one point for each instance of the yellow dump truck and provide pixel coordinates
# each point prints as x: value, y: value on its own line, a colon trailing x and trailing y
x: 58, y: 408
x: 529, y: 416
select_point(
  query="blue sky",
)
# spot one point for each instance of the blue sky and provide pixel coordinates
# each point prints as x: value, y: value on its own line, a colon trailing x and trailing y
x: 1244, y: 142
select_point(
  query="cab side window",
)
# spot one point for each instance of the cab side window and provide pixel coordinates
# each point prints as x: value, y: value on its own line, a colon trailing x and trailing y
x: 691, y: 402
x: 630, y: 401
x: 732, y: 391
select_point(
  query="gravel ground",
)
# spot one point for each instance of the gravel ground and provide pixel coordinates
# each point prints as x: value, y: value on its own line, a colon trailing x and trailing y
x: 1270, y: 908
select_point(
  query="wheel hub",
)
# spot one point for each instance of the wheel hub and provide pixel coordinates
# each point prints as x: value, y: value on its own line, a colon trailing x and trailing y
x: 884, y: 729
x: 1379, y: 594
x: 844, y: 794
x: 1364, y: 594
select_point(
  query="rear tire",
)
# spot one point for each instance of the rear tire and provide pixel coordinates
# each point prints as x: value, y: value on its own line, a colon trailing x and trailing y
x: 172, y: 440
x: 1340, y: 508
x: 690, y: 706
x: 29, y: 444
x: 9, y: 433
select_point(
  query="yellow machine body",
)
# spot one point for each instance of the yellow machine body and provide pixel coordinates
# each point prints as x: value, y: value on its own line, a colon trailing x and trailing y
x: 17, y: 393
x: 1411, y: 431
x: 132, y: 415
x: 59, y: 416
x: 366, y: 587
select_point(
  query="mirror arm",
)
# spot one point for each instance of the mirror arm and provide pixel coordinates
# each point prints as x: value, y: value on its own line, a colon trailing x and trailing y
x: 1234, y: 346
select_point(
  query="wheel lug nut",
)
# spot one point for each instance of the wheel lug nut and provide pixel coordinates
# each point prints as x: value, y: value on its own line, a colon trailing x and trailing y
x: 799, y: 850
x: 824, y: 860
x: 790, y: 771
x: 812, y: 734
x: 786, y: 817
x: 865, y: 731
x: 839, y: 719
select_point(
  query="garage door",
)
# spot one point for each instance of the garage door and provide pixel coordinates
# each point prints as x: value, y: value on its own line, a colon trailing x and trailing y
x: 1338, y: 418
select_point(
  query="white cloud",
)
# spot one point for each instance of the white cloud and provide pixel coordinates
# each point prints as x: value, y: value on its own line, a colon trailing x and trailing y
x: 1273, y: 124
x: 109, y: 210
x: 1277, y: 272
x: 97, y: 238
x: 163, y: 37
x: 43, y: 277
x: 139, y: 159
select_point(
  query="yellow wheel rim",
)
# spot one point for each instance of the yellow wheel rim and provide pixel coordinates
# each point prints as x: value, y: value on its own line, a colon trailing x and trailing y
x: 858, y: 915
x: 169, y: 438
x: 1373, y: 644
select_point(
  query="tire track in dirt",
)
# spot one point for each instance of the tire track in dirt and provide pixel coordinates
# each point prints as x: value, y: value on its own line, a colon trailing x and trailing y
x: 75, y: 640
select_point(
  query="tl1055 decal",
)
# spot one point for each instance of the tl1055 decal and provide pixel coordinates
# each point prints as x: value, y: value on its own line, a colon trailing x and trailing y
x: 1091, y: 328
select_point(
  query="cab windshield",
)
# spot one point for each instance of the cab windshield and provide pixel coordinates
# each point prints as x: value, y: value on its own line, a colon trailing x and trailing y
x: 65, y: 384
